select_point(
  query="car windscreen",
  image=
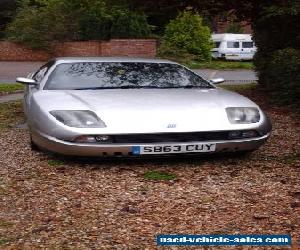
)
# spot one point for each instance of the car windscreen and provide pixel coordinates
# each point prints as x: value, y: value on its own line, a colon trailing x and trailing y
x: 111, y: 75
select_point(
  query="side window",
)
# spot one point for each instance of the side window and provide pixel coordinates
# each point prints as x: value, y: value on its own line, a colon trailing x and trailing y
x: 217, y: 44
x: 39, y: 75
x: 233, y: 45
x: 247, y: 44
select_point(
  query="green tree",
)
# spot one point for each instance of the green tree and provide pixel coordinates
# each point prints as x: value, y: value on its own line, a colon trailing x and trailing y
x: 26, y: 28
x: 276, y: 33
x: 7, y: 10
x: 129, y: 24
x: 95, y: 21
x: 187, y: 34
x: 40, y: 22
x: 235, y: 28
x: 282, y: 77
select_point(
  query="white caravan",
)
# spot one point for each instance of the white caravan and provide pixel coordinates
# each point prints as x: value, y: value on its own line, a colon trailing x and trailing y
x: 233, y: 46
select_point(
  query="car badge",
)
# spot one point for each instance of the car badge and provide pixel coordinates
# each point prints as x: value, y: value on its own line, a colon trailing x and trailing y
x: 171, y: 126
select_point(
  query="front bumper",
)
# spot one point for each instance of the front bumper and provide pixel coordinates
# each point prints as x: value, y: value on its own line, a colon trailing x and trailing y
x: 95, y: 149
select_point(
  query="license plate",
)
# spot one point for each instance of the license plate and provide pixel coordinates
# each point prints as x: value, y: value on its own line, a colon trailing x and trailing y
x: 174, y: 149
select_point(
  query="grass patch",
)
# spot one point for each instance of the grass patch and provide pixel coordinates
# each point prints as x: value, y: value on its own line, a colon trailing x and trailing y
x: 191, y: 62
x: 159, y: 176
x: 218, y: 64
x: 54, y: 162
x: 239, y: 88
x: 11, y: 113
x: 6, y: 88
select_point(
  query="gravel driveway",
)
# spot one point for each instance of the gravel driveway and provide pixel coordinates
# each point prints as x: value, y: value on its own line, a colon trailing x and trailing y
x: 56, y: 203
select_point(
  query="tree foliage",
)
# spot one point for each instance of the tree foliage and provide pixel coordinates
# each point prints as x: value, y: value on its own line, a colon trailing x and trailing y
x: 235, y: 28
x: 282, y: 77
x: 40, y: 22
x: 129, y: 24
x: 275, y: 24
x: 276, y: 32
x: 7, y: 10
x: 186, y: 34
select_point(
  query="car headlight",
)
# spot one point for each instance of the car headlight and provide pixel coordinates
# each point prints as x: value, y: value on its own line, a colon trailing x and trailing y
x: 78, y: 118
x: 243, y: 115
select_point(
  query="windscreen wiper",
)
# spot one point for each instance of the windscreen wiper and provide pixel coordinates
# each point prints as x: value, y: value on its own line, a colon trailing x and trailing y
x: 199, y: 87
x: 144, y: 87
x: 116, y: 87
x: 93, y: 88
x: 182, y: 87
x: 128, y: 87
x: 120, y: 87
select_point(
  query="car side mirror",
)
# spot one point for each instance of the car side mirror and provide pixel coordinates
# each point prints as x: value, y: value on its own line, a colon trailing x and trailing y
x: 217, y: 80
x: 26, y: 81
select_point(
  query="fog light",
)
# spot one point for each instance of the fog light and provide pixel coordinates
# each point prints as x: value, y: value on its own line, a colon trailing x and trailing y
x: 242, y: 134
x: 249, y: 134
x: 102, y: 138
x: 85, y: 138
x: 234, y: 134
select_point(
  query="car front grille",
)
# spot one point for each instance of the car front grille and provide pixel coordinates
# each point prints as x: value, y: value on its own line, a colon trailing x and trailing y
x: 168, y: 137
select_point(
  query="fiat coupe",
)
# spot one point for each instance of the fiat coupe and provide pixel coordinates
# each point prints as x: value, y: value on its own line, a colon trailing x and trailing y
x: 135, y: 107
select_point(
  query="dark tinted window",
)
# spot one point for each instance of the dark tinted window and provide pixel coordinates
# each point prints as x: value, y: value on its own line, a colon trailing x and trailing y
x: 86, y: 75
x: 39, y: 75
x: 233, y: 45
x: 217, y: 44
x: 247, y: 44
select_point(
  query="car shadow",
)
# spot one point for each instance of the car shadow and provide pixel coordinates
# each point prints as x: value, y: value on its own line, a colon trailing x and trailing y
x: 155, y: 161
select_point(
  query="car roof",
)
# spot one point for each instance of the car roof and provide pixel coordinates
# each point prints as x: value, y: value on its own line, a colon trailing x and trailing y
x: 59, y: 60
x: 225, y: 36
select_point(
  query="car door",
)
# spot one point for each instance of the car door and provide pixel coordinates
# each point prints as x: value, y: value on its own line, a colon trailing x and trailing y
x: 215, y: 50
x: 248, y: 50
x: 233, y: 50
x: 38, y: 76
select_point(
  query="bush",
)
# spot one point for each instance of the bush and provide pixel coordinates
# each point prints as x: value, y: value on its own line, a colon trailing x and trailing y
x: 276, y: 33
x: 128, y: 24
x: 38, y: 24
x: 187, y: 35
x: 26, y: 28
x: 94, y: 22
x: 282, y: 77
x: 102, y: 23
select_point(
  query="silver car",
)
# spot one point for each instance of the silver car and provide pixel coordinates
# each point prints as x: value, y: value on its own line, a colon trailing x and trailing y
x: 135, y: 107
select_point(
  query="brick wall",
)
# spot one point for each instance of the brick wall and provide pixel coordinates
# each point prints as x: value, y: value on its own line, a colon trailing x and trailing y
x: 115, y: 47
x: 88, y: 48
x: 15, y: 52
x: 135, y: 48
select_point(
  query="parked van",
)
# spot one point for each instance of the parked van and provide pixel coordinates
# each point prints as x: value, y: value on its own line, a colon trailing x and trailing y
x: 233, y: 46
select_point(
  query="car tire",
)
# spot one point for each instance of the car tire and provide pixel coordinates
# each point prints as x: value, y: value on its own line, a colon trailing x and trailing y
x: 33, y: 146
